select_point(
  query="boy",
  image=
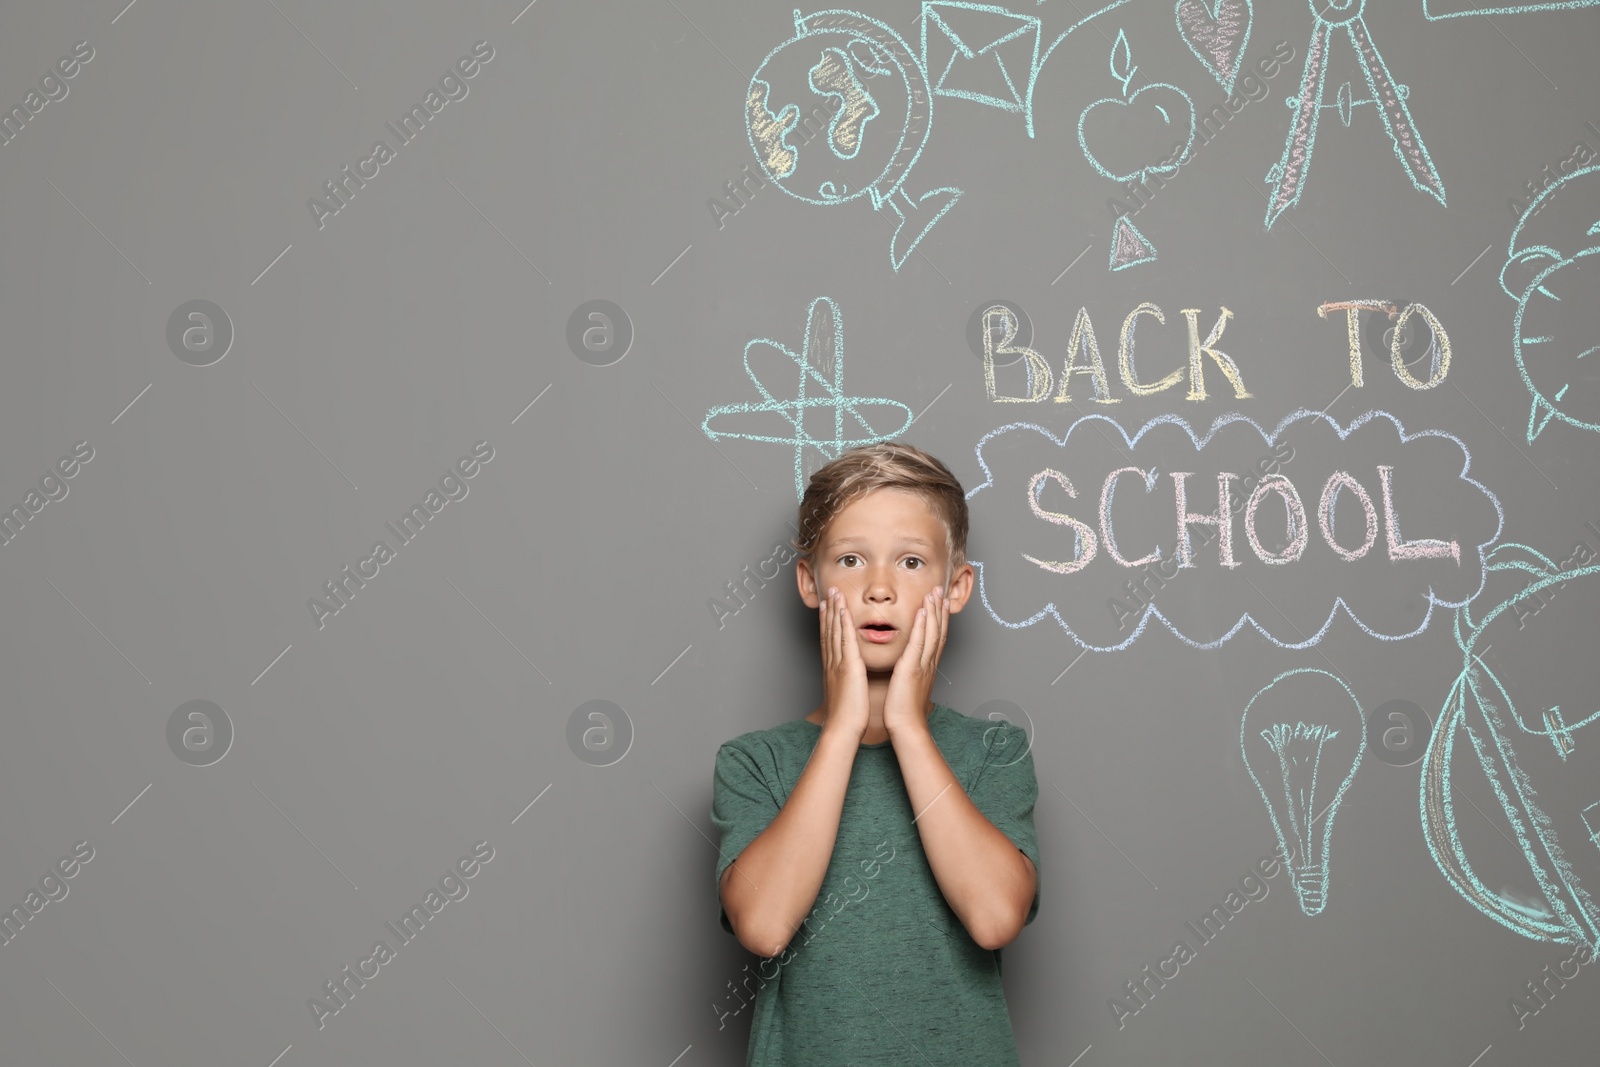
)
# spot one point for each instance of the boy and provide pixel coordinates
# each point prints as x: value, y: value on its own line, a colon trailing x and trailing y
x: 878, y: 853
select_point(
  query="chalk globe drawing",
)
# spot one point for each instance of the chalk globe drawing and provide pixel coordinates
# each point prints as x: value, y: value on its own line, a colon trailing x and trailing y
x: 839, y: 113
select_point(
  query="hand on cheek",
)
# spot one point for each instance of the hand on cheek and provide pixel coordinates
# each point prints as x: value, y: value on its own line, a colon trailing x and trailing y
x: 914, y: 672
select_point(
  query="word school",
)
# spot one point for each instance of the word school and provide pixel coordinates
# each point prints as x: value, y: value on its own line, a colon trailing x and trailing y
x: 1297, y: 535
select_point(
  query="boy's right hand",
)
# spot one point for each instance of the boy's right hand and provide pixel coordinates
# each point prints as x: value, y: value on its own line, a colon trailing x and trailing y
x: 844, y: 673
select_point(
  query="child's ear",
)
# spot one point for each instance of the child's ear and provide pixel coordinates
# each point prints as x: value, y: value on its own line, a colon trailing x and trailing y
x: 807, y: 583
x: 961, y: 587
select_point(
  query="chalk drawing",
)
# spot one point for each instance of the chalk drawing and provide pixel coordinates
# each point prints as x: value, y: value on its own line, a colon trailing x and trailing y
x: 820, y: 364
x: 983, y: 53
x: 1217, y: 32
x: 1451, y: 9
x: 1480, y: 708
x: 1291, y: 171
x: 1444, y: 573
x: 1165, y: 108
x: 1554, y: 334
x: 1302, y: 766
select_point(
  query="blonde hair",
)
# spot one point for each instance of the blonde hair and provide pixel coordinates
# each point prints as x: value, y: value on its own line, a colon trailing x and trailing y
x: 887, y: 465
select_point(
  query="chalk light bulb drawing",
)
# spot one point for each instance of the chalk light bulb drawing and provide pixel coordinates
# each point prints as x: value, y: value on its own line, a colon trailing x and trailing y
x: 1303, y: 737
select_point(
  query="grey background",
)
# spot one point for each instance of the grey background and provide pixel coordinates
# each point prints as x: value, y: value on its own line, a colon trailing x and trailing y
x: 369, y: 754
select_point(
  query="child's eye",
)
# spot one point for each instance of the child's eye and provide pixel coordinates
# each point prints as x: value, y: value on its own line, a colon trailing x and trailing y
x: 914, y: 559
x: 848, y: 555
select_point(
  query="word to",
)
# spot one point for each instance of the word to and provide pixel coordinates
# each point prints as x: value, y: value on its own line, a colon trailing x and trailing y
x: 1398, y: 339
x: 411, y: 124
x: 339, y: 590
x: 340, y: 990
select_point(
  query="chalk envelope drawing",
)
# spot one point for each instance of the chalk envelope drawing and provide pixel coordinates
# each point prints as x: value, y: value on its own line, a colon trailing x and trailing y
x: 1552, y: 271
x: 1290, y: 173
x: 984, y: 54
x: 819, y: 384
x: 1522, y: 724
x: 1105, y: 503
x: 1217, y: 32
x: 1303, y: 768
x: 981, y: 53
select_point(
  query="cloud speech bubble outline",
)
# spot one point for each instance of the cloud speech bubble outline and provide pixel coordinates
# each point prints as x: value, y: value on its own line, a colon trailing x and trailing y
x: 1432, y: 597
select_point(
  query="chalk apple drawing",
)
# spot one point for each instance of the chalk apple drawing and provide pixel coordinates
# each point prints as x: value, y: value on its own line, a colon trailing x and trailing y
x: 1136, y: 141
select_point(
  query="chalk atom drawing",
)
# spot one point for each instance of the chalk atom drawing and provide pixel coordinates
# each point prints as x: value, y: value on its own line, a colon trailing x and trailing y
x: 819, y: 385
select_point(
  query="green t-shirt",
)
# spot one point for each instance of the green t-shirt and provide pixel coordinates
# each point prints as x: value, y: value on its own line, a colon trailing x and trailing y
x: 882, y: 972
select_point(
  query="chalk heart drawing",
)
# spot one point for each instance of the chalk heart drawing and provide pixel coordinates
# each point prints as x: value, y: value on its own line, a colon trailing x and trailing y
x: 1155, y: 116
x: 1520, y: 726
x: 1552, y: 271
x: 820, y: 385
x: 1217, y: 33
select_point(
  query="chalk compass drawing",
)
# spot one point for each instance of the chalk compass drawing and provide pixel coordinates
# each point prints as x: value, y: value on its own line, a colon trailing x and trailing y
x: 880, y: 102
x: 1518, y: 739
x: 1289, y: 174
x: 820, y: 384
x: 1301, y: 773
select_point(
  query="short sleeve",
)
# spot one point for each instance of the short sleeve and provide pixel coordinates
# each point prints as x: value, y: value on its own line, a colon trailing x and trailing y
x: 1005, y: 790
x: 742, y: 805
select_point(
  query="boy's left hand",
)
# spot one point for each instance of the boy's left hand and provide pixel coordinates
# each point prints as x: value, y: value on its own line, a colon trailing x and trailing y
x: 911, y: 684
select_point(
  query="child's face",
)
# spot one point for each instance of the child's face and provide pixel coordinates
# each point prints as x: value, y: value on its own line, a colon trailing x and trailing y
x: 884, y: 552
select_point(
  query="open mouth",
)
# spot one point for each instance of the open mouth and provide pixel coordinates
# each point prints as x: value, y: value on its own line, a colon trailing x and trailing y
x: 879, y: 632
